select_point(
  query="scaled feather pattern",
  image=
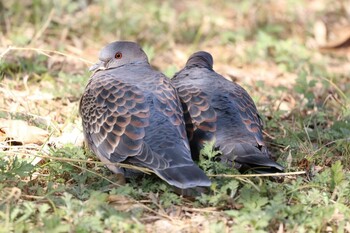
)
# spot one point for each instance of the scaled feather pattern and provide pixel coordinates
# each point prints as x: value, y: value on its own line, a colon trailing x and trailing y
x: 132, y: 114
x: 218, y: 109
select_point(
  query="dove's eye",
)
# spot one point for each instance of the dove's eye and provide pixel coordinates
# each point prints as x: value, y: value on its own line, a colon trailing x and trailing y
x: 118, y: 55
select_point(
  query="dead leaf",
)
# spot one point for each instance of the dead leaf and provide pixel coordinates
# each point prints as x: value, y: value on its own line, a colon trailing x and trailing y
x: 342, y: 40
x: 122, y: 203
x: 280, y: 228
x: 70, y: 134
x: 320, y: 32
x: 164, y: 225
x: 347, y: 227
x: 289, y: 159
x: 19, y: 131
x: 304, y: 164
x: 332, y: 34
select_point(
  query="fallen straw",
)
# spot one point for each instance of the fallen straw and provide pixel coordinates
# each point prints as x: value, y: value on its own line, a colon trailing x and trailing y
x: 260, y: 175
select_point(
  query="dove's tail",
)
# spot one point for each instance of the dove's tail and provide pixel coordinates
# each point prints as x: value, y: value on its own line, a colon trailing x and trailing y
x: 248, y: 157
x: 258, y: 163
x: 184, y: 177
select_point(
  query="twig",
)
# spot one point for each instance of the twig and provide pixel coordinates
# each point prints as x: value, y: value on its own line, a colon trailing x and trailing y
x: 44, y: 52
x: 15, y: 192
x: 335, y: 87
x: 330, y: 143
x: 153, y: 211
x: 96, y: 174
x: 45, y: 26
x: 144, y: 170
x: 201, y: 210
x: 268, y: 135
x: 260, y: 175
x: 4, y: 52
x: 33, y: 197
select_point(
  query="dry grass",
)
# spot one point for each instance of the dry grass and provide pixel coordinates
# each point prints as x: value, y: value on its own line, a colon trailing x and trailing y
x: 269, y: 47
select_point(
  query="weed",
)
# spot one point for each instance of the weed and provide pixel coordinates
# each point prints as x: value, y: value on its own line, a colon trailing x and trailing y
x: 305, y: 105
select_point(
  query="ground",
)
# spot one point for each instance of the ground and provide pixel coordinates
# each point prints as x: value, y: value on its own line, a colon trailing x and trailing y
x: 291, y: 56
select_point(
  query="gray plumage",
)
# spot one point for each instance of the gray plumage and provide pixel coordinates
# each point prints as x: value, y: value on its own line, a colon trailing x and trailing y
x: 227, y: 113
x: 132, y: 114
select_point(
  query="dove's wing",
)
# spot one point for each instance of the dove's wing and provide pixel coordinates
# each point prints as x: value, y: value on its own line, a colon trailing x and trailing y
x: 199, y: 116
x: 115, y: 115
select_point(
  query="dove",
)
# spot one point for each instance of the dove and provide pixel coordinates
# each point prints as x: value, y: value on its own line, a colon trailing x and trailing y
x: 220, y: 110
x: 132, y: 114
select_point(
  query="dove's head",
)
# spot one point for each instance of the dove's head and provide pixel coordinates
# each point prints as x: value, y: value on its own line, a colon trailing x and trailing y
x: 201, y: 59
x: 119, y: 53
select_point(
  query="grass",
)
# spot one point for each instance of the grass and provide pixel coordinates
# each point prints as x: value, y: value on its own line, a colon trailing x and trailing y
x: 269, y: 47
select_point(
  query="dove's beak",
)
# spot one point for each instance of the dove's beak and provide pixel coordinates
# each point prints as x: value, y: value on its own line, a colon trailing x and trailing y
x: 98, y: 66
